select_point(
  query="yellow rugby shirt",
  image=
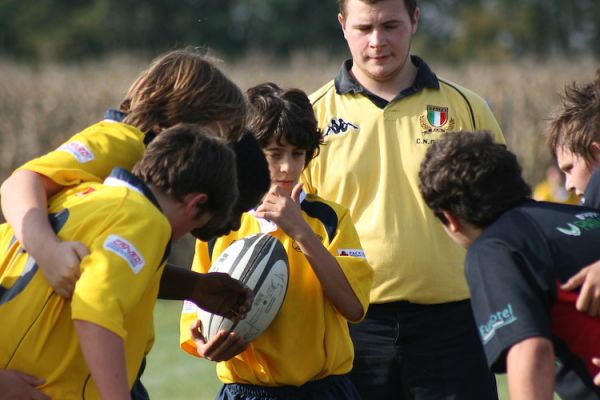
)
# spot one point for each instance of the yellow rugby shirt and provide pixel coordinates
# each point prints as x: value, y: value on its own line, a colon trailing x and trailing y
x: 370, y: 164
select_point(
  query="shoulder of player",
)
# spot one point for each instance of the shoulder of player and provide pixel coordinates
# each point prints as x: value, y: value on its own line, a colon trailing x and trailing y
x: 104, y: 132
x: 318, y: 95
x: 454, y: 89
x: 128, y: 205
x: 317, y: 200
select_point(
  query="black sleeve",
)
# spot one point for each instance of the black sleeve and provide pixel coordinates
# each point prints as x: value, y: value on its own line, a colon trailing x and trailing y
x: 508, y: 303
x: 592, y: 191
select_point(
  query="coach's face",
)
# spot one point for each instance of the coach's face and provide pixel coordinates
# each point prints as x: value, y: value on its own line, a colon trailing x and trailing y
x: 379, y: 36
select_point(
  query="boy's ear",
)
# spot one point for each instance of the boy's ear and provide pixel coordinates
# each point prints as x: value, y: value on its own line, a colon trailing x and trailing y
x: 596, y: 151
x: 191, y: 202
x: 454, y: 225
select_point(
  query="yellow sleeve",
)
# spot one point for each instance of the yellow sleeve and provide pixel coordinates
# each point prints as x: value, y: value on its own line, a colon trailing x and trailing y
x: 124, y: 263
x: 90, y: 155
x: 349, y: 254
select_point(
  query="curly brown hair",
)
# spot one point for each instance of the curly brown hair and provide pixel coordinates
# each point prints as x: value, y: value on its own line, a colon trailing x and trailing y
x: 472, y: 177
x: 577, y: 125
x: 184, y: 86
x: 285, y: 115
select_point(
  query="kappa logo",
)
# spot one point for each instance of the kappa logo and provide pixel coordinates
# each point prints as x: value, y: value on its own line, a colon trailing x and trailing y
x: 351, y: 253
x: 79, y: 151
x: 339, y: 126
x: 436, y: 120
x: 585, y: 222
x: 126, y: 251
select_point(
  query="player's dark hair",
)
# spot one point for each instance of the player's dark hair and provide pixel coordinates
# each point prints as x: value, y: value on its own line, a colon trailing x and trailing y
x: 472, y: 177
x: 187, y: 158
x: 577, y: 125
x: 184, y: 86
x: 252, y: 171
x: 411, y: 6
x: 284, y: 115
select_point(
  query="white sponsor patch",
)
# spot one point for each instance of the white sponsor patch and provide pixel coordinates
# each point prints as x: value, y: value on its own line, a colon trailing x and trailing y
x: 189, y: 307
x: 125, y: 250
x: 360, y: 253
x: 78, y: 150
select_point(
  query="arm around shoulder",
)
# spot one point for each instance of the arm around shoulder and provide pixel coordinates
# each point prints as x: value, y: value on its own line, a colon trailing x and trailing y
x: 24, y: 197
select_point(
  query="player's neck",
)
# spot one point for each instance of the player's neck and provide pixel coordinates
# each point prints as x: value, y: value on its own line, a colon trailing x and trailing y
x: 387, y: 88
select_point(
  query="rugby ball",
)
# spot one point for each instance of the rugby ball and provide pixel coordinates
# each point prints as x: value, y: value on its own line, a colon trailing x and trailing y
x: 260, y: 262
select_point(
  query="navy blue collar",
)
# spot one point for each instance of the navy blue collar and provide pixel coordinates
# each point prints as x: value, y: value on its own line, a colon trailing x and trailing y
x: 118, y: 116
x: 115, y: 115
x: 121, y: 177
x: 346, y: 83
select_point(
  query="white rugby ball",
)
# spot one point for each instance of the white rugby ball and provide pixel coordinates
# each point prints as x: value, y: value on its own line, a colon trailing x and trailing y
x: 260, y: 262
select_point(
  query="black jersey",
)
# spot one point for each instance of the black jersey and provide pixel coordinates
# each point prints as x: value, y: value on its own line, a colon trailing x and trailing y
x: 592, y: 191
x: 514, y: 270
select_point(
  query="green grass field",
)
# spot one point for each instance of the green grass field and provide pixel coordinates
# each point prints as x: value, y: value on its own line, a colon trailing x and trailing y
x: 173, y: 375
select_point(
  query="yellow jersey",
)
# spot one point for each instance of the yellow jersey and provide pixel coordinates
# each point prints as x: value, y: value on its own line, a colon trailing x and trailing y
x: 128, y: 238
x: 90, y: 155
x: 309, y: 338
x: 369, y: 164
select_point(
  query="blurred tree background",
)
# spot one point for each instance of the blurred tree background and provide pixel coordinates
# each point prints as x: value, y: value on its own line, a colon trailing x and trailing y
x: 452, y: 30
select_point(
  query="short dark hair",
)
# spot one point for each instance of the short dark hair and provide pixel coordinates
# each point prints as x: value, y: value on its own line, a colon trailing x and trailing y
x: 252, y: 170
x: 472, y: 177
x: 411, y: 6
x: 577, y: 125
x: 284, y: 114
x: 188, y: 158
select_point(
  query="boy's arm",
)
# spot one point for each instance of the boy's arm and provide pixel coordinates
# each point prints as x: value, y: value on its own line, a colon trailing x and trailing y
x: 530, y: 368
x: 285, y: 212
x: 104, y: 354
x: 217, y: 293
x: 25, y: 206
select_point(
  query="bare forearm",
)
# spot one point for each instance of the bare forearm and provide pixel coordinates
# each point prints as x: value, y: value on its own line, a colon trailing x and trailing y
x: 530, y: 366
x: 24, y: 205
x: 334, y: 282
x: 177, y: 283
x: 104, y: 354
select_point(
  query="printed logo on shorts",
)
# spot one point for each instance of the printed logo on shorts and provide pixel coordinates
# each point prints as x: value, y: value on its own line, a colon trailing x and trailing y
x: 338, y: 126
x: 360, y: 253
x: 126, y: 251
x: 78, y: 150
x: 585, y: 222
x: 496, y: 321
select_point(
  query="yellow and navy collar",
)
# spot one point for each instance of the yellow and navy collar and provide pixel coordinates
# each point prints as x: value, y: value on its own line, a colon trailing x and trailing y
x: 346, y: 83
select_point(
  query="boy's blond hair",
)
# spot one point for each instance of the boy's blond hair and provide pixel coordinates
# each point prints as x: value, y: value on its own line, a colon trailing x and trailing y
x: 577, y: 125
x: 184, y: 86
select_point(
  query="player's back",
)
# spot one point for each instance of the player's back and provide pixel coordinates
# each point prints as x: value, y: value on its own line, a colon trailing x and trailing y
x: 41, y: 339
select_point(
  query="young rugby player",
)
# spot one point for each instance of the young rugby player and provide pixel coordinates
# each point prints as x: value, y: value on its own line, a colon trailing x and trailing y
x: 92, y: 346
x: 519, y: 251
x: 179, y: 86
x: 306, y: 352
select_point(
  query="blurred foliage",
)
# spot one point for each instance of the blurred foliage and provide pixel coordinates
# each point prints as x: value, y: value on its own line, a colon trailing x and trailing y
x: 450, y: 29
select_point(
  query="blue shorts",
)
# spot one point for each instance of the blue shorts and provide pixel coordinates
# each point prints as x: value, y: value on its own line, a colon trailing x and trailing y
x: 334, y: 387
x: 406, y: 351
